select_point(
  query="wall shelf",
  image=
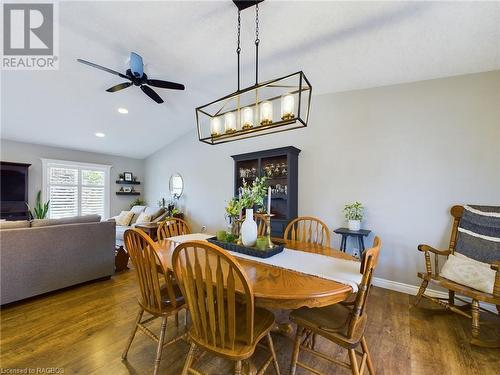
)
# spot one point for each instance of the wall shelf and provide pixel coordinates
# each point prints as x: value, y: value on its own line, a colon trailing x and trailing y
x: 128, y: 193
x: 128, y: 182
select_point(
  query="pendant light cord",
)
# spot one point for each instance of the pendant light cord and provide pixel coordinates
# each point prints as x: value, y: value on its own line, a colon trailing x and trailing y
x: 257, y: 41
x: 238, y: 50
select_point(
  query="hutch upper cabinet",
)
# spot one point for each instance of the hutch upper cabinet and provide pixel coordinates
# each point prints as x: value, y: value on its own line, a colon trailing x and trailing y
x: 280, y: 165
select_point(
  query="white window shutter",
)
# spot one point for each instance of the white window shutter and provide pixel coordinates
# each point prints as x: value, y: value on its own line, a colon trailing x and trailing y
x: 76, y: 188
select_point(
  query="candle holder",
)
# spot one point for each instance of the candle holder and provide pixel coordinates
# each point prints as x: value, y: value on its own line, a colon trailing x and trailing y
x: 266, y: 122
x: 247, y: 126
x: 287, y: 116
x: 267, y: 217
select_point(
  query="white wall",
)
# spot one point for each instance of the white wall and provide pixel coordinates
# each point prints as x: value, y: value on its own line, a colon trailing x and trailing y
x: 31, y: 153
x: 408, y: 152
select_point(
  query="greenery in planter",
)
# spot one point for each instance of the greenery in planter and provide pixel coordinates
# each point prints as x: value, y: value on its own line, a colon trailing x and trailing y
x: 41, y: 209
x: 253, y: 195
x: 233, y: 207
x: 353, y: 211
x: 138, y: 202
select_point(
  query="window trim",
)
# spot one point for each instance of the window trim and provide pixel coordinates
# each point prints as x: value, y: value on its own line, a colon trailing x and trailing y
x: 106, y: 168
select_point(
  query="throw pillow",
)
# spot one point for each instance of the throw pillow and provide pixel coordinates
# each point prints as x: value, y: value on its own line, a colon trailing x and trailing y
x: 124, y: 218
x: 469, y: 272
x: 154, y: 212
x: 143, y: 218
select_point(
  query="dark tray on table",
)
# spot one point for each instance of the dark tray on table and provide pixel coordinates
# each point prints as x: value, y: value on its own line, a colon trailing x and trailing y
x: 252, y: 251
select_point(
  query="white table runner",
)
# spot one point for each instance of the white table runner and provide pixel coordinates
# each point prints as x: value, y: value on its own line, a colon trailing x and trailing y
x: 343, y: 271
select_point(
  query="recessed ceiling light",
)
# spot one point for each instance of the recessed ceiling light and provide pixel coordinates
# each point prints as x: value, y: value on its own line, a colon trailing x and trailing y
x: 123, y: 110
x: 100, y: 135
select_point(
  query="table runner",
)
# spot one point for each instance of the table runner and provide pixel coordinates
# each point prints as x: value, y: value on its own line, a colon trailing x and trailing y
x: 343, y: 271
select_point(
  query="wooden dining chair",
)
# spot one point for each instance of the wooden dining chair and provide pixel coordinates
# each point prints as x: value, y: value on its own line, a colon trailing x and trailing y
x: 344, y: 324
x: 172, y: 227
x: 308, y: 229
x: 220, y: 301
x: 160, y: 299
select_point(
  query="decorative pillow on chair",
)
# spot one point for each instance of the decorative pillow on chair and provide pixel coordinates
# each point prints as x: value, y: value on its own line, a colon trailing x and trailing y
x: 469, y: 272
x: 124, y: 218
x: 143, y: 218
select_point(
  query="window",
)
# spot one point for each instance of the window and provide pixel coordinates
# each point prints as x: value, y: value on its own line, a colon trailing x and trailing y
x: 75, y: 188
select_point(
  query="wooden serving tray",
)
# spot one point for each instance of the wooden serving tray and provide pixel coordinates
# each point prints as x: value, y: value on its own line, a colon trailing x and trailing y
x: 252, y: 251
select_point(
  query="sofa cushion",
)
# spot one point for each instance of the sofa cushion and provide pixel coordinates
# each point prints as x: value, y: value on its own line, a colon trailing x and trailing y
x: 136, y: 210
x: 66, y: 220
x: 120, y: 231
x: 14, y: 224
x: 124, y: 218
x: 469, y: 272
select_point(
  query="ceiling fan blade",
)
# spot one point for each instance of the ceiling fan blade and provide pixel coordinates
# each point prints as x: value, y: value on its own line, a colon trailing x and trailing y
x: 165, y: 84
x: 119, y: 87
x: 102, y: 68
x: 151, y: 93
x: 136, y: 65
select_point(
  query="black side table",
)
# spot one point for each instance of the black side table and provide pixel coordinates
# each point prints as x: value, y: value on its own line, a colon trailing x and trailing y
x: 360, y: 234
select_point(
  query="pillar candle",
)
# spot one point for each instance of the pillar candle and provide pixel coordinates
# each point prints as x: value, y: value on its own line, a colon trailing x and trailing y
x: 269, y: 200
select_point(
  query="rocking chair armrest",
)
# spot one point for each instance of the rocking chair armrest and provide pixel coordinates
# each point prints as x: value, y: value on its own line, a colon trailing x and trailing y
x: 496, y: 287
x: 427, y: 248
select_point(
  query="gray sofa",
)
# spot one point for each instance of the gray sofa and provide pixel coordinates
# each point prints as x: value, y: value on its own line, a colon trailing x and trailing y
x: 53, y: 254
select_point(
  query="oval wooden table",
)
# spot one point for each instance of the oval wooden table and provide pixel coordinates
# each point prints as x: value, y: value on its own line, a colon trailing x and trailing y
x: 279, y: 288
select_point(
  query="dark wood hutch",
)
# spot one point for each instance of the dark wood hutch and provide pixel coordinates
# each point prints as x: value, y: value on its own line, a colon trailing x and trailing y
x: 280, y: 165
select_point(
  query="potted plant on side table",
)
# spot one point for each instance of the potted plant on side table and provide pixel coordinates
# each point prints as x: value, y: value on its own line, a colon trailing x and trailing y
x: 354, y: 214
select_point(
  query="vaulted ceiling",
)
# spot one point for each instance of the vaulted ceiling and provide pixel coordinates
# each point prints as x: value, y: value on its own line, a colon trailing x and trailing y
x: 339, y: 45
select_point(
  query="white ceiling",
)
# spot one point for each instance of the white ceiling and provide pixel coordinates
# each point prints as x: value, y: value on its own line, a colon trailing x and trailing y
x: 339, y: 45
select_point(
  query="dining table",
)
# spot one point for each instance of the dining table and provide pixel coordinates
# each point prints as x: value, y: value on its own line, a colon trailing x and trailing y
x: 281, y: 288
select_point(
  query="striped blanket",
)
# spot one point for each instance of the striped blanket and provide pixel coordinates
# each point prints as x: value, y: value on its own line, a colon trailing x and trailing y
x: 479, y: 233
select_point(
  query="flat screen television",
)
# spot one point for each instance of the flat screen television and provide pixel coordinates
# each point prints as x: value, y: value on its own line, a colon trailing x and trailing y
x: 13, y: 185
x: 13, y: 190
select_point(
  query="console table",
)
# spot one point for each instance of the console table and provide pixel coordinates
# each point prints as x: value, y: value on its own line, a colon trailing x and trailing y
x: 359, y: 234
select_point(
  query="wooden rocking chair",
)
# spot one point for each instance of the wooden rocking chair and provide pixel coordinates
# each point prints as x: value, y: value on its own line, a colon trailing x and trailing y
x: 455, y: 288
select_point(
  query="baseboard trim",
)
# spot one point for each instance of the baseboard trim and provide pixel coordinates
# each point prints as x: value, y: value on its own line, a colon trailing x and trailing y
x: 413, y: 290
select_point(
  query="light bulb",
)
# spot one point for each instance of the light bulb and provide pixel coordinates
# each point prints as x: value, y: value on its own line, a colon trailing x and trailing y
x: 247, y: 118
x: 287, y: 107
x: 229, y: 122
x: 215, y: 126
x: 266, y: 113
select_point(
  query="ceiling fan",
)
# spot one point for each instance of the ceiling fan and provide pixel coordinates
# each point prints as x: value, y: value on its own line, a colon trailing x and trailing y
x: 137, y: 77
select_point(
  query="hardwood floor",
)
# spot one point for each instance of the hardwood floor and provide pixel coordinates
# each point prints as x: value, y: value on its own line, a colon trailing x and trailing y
x: 84, y: 330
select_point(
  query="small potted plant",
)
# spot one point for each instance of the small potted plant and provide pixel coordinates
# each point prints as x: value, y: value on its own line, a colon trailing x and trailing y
x: 353, y: 213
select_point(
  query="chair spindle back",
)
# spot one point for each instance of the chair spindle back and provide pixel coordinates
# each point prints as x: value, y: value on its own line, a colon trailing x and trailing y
x: 308, y: 229
x: 143, y: 253
x: 368, y: 263
x: 171, y: 227
x: 209, y: 278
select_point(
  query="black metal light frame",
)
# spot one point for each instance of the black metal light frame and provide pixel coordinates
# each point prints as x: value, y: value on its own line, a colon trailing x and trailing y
x: 300, y: 121
x: 297, y: 121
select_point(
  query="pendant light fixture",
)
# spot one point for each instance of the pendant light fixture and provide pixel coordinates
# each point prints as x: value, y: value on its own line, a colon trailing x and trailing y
x: 266, y: 107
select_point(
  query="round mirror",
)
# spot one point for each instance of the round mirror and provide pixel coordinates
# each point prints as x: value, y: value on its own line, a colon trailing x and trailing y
x: 176, y: 185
